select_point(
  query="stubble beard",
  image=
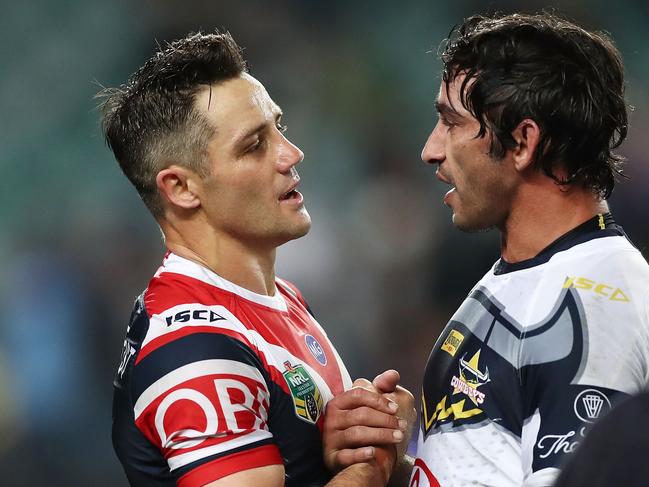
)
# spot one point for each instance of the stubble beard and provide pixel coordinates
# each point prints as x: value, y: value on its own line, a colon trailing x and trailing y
x: 482, y: 218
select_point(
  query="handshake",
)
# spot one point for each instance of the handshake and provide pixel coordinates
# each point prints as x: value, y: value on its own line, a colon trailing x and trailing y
x: 367, y: 429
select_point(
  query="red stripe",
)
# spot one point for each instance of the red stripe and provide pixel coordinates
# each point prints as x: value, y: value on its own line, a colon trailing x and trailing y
x: 221, y: 467
x: 432, y: 481
x: 170, y: 289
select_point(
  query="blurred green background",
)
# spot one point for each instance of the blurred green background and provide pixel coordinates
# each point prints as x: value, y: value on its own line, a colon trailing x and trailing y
x: 383, y: 268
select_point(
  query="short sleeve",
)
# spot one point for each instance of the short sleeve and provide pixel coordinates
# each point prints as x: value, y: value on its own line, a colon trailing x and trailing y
x: 203, y: 401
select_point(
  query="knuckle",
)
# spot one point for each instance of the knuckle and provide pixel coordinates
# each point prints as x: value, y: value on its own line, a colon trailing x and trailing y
x: 357, y: 392
x: 392, y: 421
x: 342, y: 460
x: 359, y: 415
x: 361, y: 383
x: 354, y: 434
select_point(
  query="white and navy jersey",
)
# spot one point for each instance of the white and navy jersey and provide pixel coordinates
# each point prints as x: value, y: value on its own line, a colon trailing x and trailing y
x: 215, y: 379
x: 536, y: 353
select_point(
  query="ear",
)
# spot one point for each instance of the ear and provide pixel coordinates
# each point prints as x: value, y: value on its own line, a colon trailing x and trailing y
x: 177, y: 185
x: 527, y: 135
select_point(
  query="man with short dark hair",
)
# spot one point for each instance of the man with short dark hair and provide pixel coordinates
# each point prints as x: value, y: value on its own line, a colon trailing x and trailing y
x: 530, y: 109
x: 225, y: 374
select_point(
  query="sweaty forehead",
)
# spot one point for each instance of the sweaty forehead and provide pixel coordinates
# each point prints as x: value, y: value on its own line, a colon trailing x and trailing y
x: 449, y: 94
x: 238, y: 101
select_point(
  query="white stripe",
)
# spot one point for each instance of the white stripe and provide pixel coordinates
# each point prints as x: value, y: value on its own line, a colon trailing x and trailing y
x: 192, y: 371
x: 189, y: 457
x: 180, y: 265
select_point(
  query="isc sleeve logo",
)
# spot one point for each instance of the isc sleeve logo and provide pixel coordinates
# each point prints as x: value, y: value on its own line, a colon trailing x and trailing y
x: 609, y: 292
x: 196, y: 315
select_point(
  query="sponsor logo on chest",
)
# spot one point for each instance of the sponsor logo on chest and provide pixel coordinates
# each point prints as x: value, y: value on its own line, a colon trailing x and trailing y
x: 316, y: 349
x: 590, y: 405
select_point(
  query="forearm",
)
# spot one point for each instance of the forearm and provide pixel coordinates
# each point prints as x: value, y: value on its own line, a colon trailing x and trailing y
x: 359, y: 475
x: 401, y: 473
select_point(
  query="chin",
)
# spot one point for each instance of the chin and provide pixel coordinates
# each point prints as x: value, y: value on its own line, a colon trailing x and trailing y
x: 475, y: 225
x: 298, y: 229
x: 303, y: 229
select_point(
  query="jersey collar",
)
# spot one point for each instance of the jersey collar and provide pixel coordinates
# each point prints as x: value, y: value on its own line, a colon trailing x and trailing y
x: 601, y: 225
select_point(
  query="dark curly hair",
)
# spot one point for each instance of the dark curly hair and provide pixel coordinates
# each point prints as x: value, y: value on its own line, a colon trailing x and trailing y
x: 568, y: 80
x: 151, y: 122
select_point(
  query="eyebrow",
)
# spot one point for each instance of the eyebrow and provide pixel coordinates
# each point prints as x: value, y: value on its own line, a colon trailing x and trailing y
x: 445, y: 109
x: 258, y: 128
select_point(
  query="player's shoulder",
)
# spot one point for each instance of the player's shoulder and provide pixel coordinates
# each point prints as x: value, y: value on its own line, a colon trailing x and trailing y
x: 177, y: 282
x: 185, y: 316
x: 614, y: 255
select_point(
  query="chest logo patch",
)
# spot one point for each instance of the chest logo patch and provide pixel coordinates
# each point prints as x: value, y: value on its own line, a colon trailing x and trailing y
x: 307, y: 400
x: 590, y: 404
x: 471, y: 377
x: 316, y: 349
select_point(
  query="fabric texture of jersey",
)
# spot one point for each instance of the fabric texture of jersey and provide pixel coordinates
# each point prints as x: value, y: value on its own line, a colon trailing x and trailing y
x: 215, y: 379
x: 537, y: 352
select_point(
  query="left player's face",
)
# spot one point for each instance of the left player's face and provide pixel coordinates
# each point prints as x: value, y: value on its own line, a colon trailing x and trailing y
x: 483, y: 187
x: 250, y: 194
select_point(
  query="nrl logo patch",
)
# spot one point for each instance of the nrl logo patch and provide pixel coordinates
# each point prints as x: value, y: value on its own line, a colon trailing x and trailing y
x: 307, y: 399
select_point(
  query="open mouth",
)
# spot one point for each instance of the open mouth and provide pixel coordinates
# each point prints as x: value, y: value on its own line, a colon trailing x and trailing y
x: 292, y: 194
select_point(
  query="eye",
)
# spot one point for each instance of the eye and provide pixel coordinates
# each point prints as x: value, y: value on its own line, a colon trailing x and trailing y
x: 255, y: 147
x: 446, y: 122
x: 280, y: 127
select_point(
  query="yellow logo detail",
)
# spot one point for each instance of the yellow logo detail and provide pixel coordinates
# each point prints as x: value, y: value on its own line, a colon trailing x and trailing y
x: 442, y: 412
x: 610, y: 292
x: 602, y: 226
x: 452, y: 342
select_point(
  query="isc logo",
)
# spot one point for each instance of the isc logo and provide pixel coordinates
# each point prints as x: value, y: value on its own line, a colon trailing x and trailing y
x: 610, y: 292
x: 194, y: 315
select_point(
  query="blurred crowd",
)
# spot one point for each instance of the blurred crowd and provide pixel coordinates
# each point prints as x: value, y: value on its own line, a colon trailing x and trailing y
x: 383, y: 269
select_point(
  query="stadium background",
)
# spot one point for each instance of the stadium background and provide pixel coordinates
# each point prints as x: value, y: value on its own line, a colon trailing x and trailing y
x: 383, y: 269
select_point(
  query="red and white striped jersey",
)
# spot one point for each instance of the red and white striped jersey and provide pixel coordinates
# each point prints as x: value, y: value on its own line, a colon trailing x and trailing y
x: 215, y: 379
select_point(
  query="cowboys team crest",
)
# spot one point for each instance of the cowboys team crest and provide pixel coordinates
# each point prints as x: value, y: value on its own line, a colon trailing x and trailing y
x: 471, y: 377
x: 307, y: 399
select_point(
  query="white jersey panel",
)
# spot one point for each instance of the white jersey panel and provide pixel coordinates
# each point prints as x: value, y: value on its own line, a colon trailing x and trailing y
x: 529, y: 361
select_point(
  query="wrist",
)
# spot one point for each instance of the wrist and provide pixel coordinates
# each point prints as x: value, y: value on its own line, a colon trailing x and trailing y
x: 385, y: 458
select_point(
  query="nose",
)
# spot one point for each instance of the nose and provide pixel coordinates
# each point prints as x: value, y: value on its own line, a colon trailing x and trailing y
x: 433, y: 151
x: 290, y: 155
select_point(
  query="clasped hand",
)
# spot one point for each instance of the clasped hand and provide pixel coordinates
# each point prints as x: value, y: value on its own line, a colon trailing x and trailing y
x: 371, y: 422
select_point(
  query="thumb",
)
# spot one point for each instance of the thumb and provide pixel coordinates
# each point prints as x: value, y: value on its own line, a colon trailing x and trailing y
x: 387, y: 381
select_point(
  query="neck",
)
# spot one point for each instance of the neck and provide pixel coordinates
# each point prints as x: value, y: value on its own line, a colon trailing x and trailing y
x: 541, y: 213
x: 246, y: 265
